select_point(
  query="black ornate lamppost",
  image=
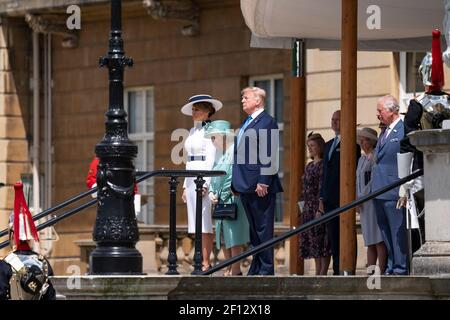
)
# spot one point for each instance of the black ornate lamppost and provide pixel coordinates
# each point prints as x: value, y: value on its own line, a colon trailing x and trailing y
x: 115, y: 231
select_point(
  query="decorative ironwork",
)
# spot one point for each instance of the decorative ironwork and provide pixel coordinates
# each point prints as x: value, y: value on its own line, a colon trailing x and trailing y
x: 116, y: 231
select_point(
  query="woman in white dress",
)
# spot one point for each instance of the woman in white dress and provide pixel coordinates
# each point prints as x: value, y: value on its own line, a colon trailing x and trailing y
x: 367, y: 139
x: 200, y: 156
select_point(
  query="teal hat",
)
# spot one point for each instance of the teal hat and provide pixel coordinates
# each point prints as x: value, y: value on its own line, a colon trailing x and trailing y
x: 218, y: 127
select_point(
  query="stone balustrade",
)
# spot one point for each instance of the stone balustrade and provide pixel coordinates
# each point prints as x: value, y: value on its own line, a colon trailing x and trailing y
x: 154, y: 247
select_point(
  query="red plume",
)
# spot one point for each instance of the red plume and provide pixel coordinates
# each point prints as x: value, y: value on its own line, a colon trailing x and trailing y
x: 437, y: 68
x: 24, y: 228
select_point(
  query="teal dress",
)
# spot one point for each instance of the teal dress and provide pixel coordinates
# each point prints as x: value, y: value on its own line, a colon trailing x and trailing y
x: 235, y: 232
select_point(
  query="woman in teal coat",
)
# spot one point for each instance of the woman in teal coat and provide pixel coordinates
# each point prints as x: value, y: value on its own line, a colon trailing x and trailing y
x: 235, y: 233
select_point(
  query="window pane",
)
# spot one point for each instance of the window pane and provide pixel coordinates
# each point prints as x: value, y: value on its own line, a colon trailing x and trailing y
x: 265, y: 84
x: 139, y: 161
x: 413, y: 78
x: 150, y: 156
x: 135, y: 111
x: 281, y: 153
x: 279, y: 100
x: 149, y: 110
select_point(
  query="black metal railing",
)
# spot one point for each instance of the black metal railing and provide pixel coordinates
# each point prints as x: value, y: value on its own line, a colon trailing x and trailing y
x: 58, y: 207
x: 327, y: 217
x: 173, y: 176
x: 141, y: 176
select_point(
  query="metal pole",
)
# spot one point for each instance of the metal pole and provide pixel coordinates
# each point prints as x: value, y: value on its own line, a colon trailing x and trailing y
x: 172, y: 259
x: 36, y: 129
x: 409, y: 235
x: 198, y: 257
x: 116, y: 231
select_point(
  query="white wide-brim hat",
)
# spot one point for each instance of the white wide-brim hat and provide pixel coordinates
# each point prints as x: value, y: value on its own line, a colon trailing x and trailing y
x: 187, y: 108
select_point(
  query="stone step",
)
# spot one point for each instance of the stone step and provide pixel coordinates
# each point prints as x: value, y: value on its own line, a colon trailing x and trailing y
x: 255, y: 287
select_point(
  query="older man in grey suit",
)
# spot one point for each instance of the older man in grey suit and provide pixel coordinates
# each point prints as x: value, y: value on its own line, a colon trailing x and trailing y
x: 390, y: 219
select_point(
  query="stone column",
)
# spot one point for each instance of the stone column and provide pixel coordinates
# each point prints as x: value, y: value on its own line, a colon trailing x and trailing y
x: 434, y: 256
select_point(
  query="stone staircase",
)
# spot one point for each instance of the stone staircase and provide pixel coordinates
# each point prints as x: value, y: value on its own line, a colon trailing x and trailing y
x: 249, y: 288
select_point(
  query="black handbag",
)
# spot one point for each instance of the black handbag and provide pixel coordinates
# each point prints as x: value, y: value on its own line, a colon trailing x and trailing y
x: 224, y: 211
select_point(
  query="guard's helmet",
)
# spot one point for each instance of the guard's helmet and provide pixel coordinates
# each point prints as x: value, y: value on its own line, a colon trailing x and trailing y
x: 431, y: 68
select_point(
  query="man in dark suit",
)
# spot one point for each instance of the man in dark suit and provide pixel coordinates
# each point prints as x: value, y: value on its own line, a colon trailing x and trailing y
x: 392, y: 221
x: 255, y: 175
x: 329, y: 191
x: 330, y: 188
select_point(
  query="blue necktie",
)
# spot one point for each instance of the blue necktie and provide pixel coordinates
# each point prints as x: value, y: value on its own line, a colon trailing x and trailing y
x: 333, y: 146
x: 384, y: 135
x: 241, y: 131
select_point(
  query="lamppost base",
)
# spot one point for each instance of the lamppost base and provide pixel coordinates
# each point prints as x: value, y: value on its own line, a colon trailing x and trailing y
x: 115, y: 260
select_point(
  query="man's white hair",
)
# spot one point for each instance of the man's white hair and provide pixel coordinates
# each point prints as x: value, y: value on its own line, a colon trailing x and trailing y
x: 260, y: 93
x: 390, y: 102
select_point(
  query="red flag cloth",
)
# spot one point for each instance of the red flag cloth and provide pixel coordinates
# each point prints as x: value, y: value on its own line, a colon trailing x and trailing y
x: 437, y: 67
x: 91, y: 178
x: 24, y: 228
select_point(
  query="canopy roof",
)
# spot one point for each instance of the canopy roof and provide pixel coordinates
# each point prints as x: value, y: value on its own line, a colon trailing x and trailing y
x: 404, y: 24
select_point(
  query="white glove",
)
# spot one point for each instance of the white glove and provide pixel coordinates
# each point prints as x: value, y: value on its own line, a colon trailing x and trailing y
x: 301, y: 205
x: 402, y: 192
x: 137, y: 203
x: 213, y: 197
x: 94, y: 195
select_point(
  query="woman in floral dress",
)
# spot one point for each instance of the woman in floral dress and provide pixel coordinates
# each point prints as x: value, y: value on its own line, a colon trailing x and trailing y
x: 314, y: 242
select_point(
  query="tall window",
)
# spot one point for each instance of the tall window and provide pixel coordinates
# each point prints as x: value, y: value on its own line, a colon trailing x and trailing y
x: 273, y: 85
x: 410, y: 79
x: 139, y: 104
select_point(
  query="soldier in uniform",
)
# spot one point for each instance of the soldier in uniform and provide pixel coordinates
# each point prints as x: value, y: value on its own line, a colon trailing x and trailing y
x: 24, y: 274
x: 426, y: 111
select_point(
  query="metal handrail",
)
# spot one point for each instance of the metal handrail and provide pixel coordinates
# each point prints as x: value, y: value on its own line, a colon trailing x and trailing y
x: 142, y: 175
x: 57, y: 207
x: 54, y: 220
x: 328, y: 216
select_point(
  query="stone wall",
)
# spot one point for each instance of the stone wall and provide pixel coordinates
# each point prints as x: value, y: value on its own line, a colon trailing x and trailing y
x: 218, y: 61
x: 14, y: 110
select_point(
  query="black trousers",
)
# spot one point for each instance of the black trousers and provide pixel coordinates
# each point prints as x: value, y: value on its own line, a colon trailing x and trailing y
x: 333, y: 227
